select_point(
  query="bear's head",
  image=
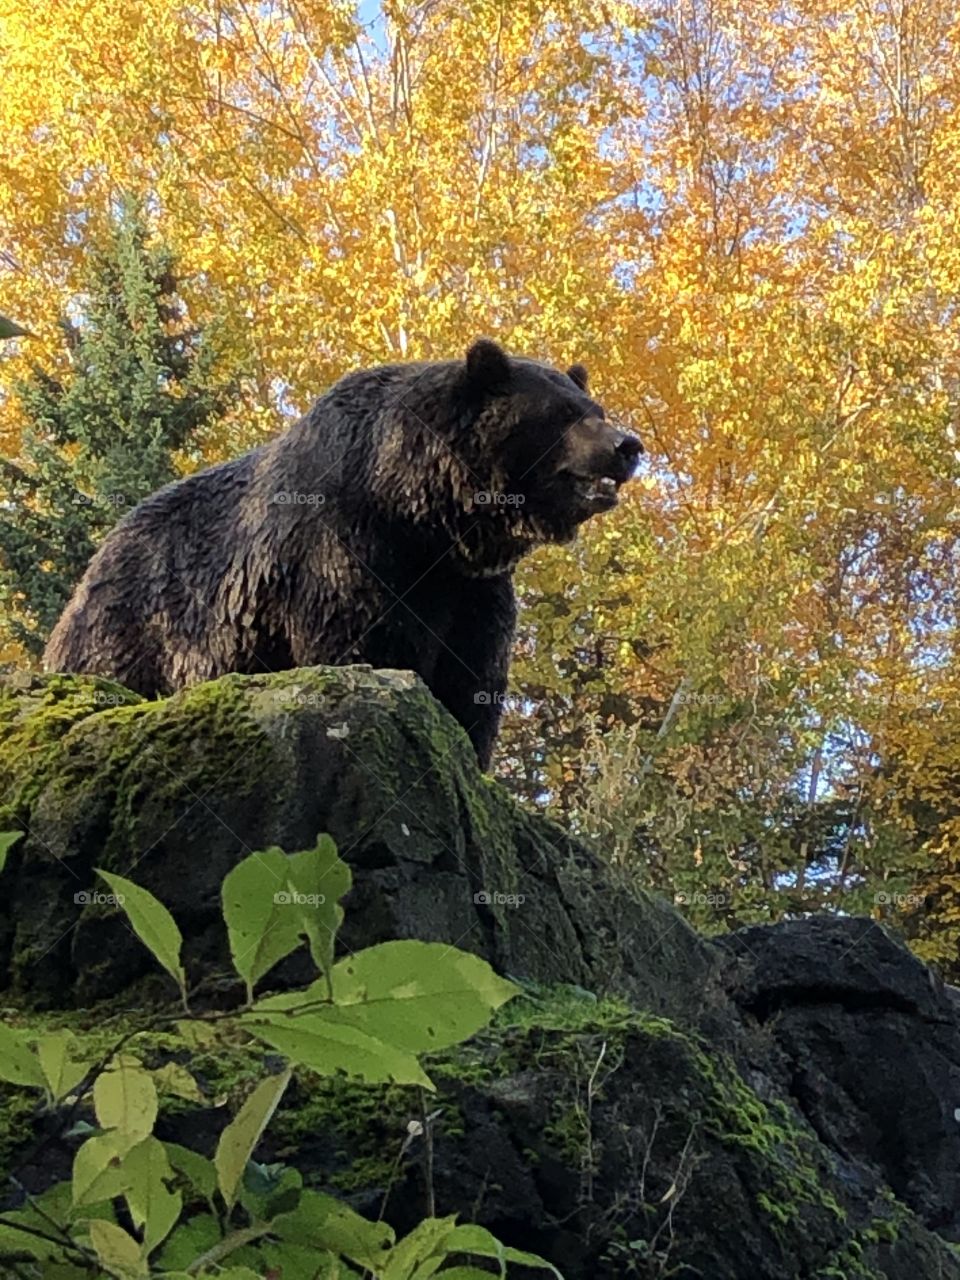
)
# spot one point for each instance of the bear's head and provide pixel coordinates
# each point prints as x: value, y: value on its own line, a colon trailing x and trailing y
x: 535, y: 455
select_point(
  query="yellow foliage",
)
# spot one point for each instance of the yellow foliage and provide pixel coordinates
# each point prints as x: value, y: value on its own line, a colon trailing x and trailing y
x: 744, y: 219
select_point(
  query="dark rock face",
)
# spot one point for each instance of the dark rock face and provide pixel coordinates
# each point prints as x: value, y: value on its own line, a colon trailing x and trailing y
x: 871, y: 1049
x: 776, y: 1106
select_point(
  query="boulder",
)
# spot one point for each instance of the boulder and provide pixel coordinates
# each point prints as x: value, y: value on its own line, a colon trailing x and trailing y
x: 174, y: 793
x: 778, y: 1104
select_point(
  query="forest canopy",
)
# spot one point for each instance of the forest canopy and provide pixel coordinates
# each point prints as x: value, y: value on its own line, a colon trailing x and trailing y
x: 743, y: 218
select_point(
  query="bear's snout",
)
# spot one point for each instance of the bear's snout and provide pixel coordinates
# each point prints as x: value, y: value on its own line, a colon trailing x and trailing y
x: 617, y: 454
x: 599, y: 458
x: 629, y: 448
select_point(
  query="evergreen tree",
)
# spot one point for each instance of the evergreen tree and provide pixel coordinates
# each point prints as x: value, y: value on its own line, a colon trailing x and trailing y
x: 141, y: 383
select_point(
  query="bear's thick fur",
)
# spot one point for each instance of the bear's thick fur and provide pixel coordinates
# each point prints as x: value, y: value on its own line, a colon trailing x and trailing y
x: 383, y: 527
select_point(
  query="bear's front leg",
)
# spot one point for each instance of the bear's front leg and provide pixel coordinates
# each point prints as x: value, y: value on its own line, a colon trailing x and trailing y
x: 471, y: 672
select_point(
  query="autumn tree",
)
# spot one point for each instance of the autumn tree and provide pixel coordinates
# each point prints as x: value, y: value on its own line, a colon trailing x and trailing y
x: 744, y: 219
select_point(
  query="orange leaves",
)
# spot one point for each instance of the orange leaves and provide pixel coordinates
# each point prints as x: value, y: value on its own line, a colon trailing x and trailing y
x: 732, y: 212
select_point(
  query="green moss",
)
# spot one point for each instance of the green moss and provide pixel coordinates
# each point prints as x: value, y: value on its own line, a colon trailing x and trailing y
x: 494, y: 824
x: 136, y: 761
x: 36, y: 715
x: 356, y: 1133
x: 851, y: 1261
x: 18, y: 1109
x: 367, y: 1121
x: 864, y: 1255
x: 564, y: 1030
x: 785, y: 1154
x: 566, y: 1131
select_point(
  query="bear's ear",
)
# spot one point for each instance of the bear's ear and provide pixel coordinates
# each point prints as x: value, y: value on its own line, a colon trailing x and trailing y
x: 578, y: 374
x: 488, y: 366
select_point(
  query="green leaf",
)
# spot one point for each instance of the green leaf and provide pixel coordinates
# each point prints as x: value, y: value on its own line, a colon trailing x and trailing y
x: 525, y: 1259
x: 61, y: 1074
x: 473, y: 1239
x: 175, y: 1079
x: 237, y: 1273
x: 272, y: 900
x: 319, y: 1042
x: 421, y: 1243
x: 298, y: 1262
x: 10, y: 329
x: 418, y: 995
x: 415, y: 996
x: 222, y: 1273
x: 98, y: 1172
x: 152, y: 1206
x: 18, y: 1063
x: 469, y: 1238
x: 239, y: 1139
x: 118, y: 1252
x: 125, y: 1099
x: 318, y: 880
x: 198, y: 1035
x: 152, y: 923
x: 65, y: 1271
x: 323, y: 1223
x: 429, y: 1267
x: 47, y: 1212
x: 260, y: 927
x: 189, y: 1240
x: 423, y: 1253
x: 7, y: 840
x: 14, y: 1241
x: 308, y: 999
x: 464, y: 1273
x: 269, y: 1189
x: 198, y: 1170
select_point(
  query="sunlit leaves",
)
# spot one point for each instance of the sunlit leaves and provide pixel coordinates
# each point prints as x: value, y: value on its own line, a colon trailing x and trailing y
x: 736, y: 215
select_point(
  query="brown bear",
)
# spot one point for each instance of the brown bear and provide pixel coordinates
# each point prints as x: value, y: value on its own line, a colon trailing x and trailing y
x: 383, y: 527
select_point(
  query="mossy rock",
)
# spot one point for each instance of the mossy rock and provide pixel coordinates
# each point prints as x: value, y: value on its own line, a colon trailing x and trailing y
x: 610, y: 1140
x: 775, y: 1107
x: 173, y: 793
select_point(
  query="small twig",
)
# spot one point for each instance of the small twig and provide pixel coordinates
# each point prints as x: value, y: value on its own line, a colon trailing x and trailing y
x: 223, y: 1248
x: 648, y: 1150
x: 589, y: 1124
x: 62, y: 1239
x: 427, y: 1122
x: 478, y: 1202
